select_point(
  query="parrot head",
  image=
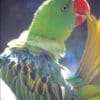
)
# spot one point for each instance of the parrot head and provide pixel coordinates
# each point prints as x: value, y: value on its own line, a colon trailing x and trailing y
x: 55, y: 19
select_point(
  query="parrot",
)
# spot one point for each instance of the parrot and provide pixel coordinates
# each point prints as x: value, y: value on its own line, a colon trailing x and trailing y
x: 30, y: 64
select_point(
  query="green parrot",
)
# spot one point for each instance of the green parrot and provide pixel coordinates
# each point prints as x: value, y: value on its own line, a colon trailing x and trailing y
x: 29, y: 65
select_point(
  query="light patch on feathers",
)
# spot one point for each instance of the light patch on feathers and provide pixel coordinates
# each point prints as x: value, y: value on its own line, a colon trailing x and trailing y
x: 53, y: 48
x: 65, y: 72
x: 19, y: 42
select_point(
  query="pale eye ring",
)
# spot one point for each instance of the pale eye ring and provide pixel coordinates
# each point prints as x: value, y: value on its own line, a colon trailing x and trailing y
x: 64, y: 8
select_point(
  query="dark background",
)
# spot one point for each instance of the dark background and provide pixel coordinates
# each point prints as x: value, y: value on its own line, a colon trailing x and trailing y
x: 16, y: 16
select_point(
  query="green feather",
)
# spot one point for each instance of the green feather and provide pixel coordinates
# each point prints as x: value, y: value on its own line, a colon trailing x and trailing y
x: 52, y: 24
x: 53, y: 20
x: 89, y: 91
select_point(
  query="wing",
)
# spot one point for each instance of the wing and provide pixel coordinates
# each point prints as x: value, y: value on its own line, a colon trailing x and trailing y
x: 34, y: 76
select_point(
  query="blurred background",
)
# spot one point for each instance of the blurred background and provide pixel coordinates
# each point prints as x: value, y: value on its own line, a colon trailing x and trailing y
x: 16, y: 16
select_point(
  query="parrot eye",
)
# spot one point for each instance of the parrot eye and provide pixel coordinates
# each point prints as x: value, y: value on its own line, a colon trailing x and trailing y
x: 64, y: 8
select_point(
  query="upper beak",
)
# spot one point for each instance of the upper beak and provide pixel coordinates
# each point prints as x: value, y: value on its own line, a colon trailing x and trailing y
x: 81, y: 7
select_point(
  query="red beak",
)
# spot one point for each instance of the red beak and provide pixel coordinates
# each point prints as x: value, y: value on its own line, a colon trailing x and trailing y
x: 81, y: 7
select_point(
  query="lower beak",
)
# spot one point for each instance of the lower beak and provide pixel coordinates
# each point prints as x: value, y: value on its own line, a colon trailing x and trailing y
x: 79, y: 19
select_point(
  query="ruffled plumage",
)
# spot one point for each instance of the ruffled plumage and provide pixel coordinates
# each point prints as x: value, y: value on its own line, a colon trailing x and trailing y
x: 36, y: 76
